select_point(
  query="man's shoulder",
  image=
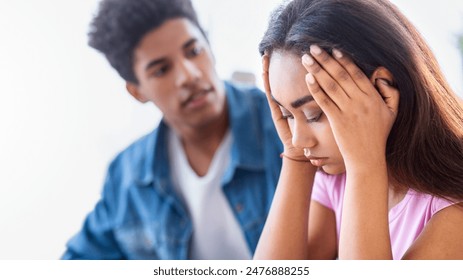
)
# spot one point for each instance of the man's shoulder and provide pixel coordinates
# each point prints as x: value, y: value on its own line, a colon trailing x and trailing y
x: 140, y: 146
x: 242, y: 90
x: 246, y: 98
x: 137, y: 154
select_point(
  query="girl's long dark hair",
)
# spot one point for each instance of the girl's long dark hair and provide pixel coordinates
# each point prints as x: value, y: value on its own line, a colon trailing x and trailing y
x: 425, y: 147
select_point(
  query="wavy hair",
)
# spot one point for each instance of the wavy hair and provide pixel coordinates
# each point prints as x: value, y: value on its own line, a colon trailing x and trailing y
x: 119, y: 26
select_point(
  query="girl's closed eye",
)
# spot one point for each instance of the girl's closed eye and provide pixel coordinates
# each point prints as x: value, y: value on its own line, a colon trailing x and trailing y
x: 314, y: 118
x: 287, y: 116
x: 310, y: 119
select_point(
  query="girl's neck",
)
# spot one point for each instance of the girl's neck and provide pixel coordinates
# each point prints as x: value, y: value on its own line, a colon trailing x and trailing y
x: 396, y: 195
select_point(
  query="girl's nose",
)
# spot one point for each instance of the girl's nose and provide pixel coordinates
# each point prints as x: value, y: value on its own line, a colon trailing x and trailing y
x: 303, y: 137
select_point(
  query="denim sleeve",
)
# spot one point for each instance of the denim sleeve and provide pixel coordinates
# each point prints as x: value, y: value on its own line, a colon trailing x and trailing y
x: 96, y: 238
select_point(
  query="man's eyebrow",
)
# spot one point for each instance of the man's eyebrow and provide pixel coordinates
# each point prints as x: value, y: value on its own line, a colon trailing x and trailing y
x: 163, y: 60
x: 154, y: 63
x: 301, y: 101
x: 189, y: 43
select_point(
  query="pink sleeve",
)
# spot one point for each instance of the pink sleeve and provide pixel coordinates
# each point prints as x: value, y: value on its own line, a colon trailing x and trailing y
x: 438, y: 204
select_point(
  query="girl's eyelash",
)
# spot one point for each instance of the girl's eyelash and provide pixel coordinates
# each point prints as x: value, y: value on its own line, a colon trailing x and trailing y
x: 314, y: 119
x: 311, y: 120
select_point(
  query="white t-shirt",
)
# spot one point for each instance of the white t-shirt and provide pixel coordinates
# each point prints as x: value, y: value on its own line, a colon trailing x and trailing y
x: 216, y: 231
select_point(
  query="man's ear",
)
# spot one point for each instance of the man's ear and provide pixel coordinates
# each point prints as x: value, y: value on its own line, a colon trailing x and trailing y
x: 384, y: 74
x: 135, y: 92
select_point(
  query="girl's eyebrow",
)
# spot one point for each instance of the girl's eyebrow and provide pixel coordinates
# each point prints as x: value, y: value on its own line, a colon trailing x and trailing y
x: 298, y: 103
x: 301, y: 101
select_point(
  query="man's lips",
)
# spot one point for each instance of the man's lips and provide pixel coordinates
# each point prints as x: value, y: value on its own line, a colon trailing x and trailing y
x: 196, y: 95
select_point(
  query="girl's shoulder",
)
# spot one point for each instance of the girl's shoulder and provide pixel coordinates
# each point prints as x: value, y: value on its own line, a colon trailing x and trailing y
x: 432, y: 204
x: 441, y: 237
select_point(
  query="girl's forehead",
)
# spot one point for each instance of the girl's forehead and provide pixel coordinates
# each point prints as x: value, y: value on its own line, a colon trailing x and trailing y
x: 287, y: 77
x: 286, y: 64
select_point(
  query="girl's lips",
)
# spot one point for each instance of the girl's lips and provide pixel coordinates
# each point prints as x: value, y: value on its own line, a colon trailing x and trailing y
x: 318, y: 161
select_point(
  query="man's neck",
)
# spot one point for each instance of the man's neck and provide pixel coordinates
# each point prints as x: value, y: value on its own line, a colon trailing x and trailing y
x: 201, y: 143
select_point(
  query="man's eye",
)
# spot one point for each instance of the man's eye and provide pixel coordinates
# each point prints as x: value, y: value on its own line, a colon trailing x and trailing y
x: 194, y: 51
x: 160, y: 71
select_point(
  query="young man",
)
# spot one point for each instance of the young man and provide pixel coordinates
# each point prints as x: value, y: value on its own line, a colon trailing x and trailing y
x: 200, y: 185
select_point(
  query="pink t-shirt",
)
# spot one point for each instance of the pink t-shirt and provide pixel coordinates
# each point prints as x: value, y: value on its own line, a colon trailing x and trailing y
x: 406, y: 219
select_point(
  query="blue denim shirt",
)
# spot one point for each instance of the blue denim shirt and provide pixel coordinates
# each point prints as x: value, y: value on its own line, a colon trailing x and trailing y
x: 139, y: 216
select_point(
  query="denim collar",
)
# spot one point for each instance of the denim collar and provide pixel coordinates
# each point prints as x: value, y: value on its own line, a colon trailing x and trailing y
x: 247, y: 150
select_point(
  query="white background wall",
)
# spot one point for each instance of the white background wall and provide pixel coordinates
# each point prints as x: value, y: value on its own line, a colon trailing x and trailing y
x: 64, y: 113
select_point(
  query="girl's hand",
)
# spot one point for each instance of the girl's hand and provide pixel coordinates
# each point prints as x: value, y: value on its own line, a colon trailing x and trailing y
x: 360, y: 116
x: 281, y: 123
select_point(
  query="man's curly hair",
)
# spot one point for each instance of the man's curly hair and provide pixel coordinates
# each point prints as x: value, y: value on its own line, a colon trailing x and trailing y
x: 119, y: 26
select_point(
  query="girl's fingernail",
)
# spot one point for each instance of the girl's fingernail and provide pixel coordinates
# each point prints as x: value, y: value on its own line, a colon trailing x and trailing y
x: 307, y: 59
x: 310, y: 78
x: 316, y: 50
x: 337, y: 53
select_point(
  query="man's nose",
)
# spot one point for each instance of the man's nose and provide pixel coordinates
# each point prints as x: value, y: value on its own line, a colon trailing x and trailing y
x: 187, y: 72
